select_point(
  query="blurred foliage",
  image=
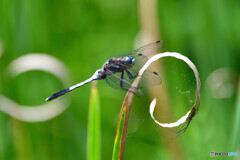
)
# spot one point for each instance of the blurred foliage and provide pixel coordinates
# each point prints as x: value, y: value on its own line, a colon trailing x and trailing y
x: 85, y: 34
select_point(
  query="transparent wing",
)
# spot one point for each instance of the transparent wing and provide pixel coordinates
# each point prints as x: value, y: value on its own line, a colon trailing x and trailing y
x: 141, y: 55
x: 116, y: 82
x: 150, y: 49
x: 150, y: 78
x: 147, y: 50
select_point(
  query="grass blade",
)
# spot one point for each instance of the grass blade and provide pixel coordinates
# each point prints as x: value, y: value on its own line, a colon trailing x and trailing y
x: 93, y: 141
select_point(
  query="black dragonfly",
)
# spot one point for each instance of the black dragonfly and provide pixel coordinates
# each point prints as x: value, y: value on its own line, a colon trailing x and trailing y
x: 120, y: 71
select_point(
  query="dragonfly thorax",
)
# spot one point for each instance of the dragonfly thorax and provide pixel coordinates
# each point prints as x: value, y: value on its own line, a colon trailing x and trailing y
x: 119, y: 64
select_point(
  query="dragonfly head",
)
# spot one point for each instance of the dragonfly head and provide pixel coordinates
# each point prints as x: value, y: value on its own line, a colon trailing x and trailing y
x: 129, y: 60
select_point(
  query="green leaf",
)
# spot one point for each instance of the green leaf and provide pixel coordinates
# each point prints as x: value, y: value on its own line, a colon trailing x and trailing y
x: 93, y: 148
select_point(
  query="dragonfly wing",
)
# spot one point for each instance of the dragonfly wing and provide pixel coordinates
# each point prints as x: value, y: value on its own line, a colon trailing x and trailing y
x: 141, y: 55
x: 115, y: 81
x: 147, y: 50
x: 150, y: 78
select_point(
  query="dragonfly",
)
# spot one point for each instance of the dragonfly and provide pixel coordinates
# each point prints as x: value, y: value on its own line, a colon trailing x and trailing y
x: 120, y: 71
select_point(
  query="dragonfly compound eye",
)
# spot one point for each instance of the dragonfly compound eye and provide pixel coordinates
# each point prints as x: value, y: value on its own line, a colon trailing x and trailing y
x: 133, y: 61
x: 129, y: 59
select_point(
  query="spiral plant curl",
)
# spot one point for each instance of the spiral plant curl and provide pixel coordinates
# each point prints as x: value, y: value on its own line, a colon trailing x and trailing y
x: 120, y: 139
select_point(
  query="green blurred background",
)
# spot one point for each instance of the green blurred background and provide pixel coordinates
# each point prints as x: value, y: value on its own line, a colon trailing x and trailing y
x: 83, y: 34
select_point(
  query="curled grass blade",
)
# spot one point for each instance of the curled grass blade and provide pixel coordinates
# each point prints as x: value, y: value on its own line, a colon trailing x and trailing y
x: 185, y: 120
x: 120, y: 139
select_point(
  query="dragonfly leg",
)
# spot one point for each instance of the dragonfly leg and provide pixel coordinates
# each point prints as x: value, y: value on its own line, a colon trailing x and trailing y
x: 122, y: 85
x: 121, y: 82
x: 130, y: 75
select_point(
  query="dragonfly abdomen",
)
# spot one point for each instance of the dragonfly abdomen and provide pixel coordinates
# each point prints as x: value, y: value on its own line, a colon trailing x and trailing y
x: 60, y: 93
